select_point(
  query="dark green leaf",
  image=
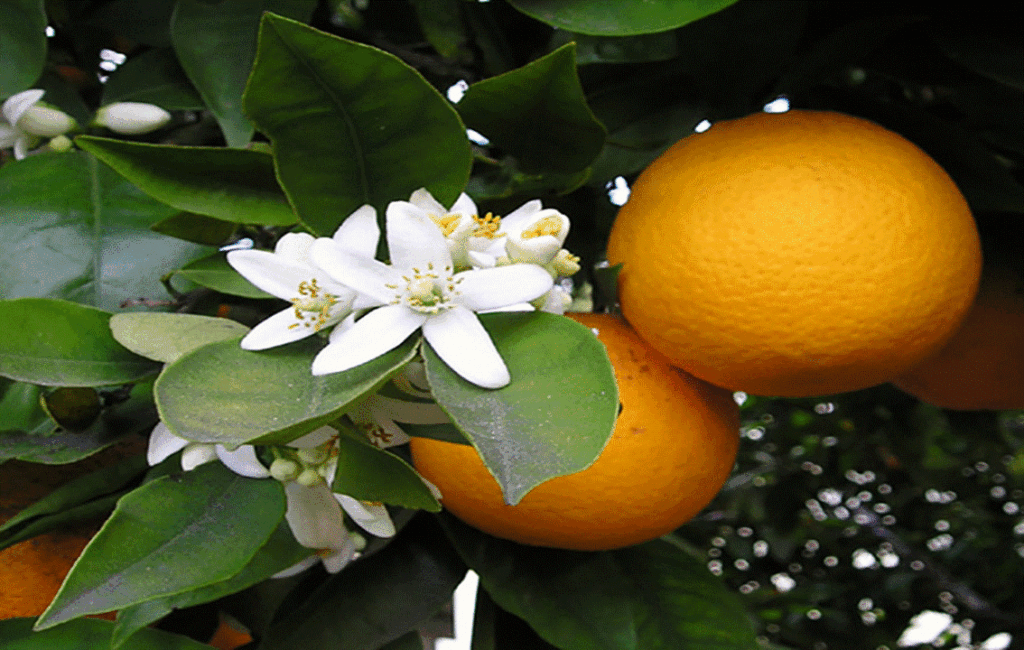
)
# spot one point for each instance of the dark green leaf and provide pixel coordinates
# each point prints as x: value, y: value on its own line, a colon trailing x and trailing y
x: 611, y: 18
x: 442, y: 24
x: 371, y: 474
x: 153, y: 77
x: 215, y: 273
x: 280, y: 552
x: 350, y: 125
x: 166, y: 337
x: 58, y: 343
x: 653, y: 596
x: 86, y: 634
x: 235, y: 185
x: 537, y: 114
x: 446, y: 432
x: 162, y: 524
x: 72, y: 228
x: 22, y: 44
x: 196, y: 228
x: 556, y: 415
x: 622, y: 49
x: 73, y: 408
x: 378, y: 598
x: 222, y: 393
x: 143, y: 21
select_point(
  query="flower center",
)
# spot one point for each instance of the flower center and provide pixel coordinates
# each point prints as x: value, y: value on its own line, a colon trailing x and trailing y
x: 487, y: 226
x: 427, y: 291
x: 313, y: 306
x: 447, y: 223
x: 547, y: 226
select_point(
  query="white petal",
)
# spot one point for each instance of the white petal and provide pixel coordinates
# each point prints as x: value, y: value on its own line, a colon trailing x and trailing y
x: 403, y: 411
x: 16, y: 105
x: 516, y: 220
x: 132, y: 118
x: 314, y: 438
x: 413, y: 380
x: 279, y: 329
x: 502, y: 286
x: 163, y: 443
x: 539, y: 248
x: 425, y: 201
x: 373, y: 518
x: 22, y: 146
x: 464, y: 205
x: 242, y: 461
x: 365, y: 275
x: 298, y: 567
x: 462, y: 342
x: 314, y: 516
x: 277, y: 275
x: 197, y: 454
x: 294, y: 247
x: 414, y: 241
x: 8, y: 136
x: 337, y: 558
x: 359, y: 233
x: 380, y: 331
x: 557, y: 300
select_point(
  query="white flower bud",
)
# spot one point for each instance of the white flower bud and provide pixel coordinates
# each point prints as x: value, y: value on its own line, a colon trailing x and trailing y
x: 45, y: 122
x: 541, y: 239
x: 132, y: 118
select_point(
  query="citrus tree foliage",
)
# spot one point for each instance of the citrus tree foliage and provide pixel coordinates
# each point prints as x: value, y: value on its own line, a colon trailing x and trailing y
x: 846, y: 515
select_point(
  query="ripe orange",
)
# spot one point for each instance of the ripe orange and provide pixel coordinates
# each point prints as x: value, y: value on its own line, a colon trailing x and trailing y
x: 795, y: 254
x: 982, y: 366
x: 674, y: 445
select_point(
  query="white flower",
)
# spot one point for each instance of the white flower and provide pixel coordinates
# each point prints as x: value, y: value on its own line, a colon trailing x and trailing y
x: 132, y: 118
x: 530, y: 234
x: 456, y: 223
x: 27, y: 122
x: 163, y: 443
x: 318, y: 301
x: 420, y: 289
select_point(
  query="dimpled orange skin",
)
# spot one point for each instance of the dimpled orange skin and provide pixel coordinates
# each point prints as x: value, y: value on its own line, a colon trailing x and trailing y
x: 982, y: 366
x: 795, y: 254
x: 673, y: 447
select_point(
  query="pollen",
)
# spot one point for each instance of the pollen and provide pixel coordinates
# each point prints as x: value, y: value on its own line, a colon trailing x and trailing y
x: 312, y: 306
x: 487, y: 226
x: 548, y: 226
x: 447, y: 223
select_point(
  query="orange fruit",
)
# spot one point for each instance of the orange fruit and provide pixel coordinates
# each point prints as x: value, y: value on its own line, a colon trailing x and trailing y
x: 982, y: 366
x: 795, y: 254
x: 674, y: 445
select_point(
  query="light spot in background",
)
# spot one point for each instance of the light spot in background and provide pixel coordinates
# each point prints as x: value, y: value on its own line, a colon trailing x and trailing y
x: 739, y: 397
x: 477, y: 138
x: 783, y: 582
x: 457, y: 90
x: 924, y: 628
x: 618, y: 191
x: 111, y: 59
x: 50, y: 32
x: 863, y: 559
x: 703, y: 126
x: 777, y: 105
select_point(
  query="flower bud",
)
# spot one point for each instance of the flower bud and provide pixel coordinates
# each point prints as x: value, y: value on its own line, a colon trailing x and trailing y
x: 61, y: 144
x: 541, y: 239
x: 132, y: 118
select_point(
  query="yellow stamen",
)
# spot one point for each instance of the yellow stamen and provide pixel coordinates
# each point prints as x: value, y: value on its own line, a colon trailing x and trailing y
x: 447, y: 223
x: 547, y: 226
x: 487, y: 226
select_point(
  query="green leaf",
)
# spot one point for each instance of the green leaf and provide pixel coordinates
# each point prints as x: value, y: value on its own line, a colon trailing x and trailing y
x: 73, y: 407
x: 556, y: 415
x: 163, y: 524
x: 20, y: 406
x: 228, y: 28
x: 143, y: 21
x: 378, y: 598
x: 22, y: 44
x: 280, y: 552
x: 235, y: 185
x: 58, y: 343
x: 653, y: 596
x: 74, y: 229
x: 48, y: 443
x: 222, y: 393
x: 350, y: 124
x: 215, y: 273
x: 166, y: 337
x: 86, y: 634
x: 537, y: 114
x: 368, y: 473
x: 623, y: 49
x: 442, y: 24
x: 196, y: 228
x: 611, y: 18
x: 152, y: 77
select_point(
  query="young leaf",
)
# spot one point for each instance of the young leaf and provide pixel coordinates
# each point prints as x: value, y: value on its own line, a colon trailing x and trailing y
x: 74, y: 229
x: 164, y: 524
x: 166, y: 337
x: 86, y: 634
x: 222, y: 393
x: 236, y: 185
x: 368, y: 473
x: 537, y: 114
x: 22, y: 44
x: 556, y: 415
x: 58, y: 343
x: 215, y: 273
x: 611, y: 18
x: 350, y: 124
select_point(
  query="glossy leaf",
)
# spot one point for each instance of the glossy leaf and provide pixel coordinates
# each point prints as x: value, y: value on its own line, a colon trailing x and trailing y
x: 228, y: 184
x: 653, y: 596
x: 222, y: 393
x: 152, y: 77
x: 537, y: 114
x: 612, y: 18
x: 215, y: 273
x: 74, y: 229
x: 196, y: 228
x: 162, y: 524
x: 58, y: 343
x: 20, y: 407
x: 166, y: 337
x: 556, y: 415
x: 350, y: 124
x: 368, y: 473
x: 86, y: 634
x: 22, y: 44
x: 378, y: 598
